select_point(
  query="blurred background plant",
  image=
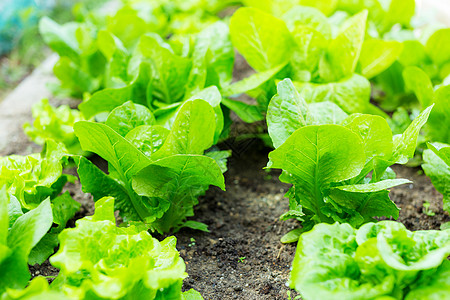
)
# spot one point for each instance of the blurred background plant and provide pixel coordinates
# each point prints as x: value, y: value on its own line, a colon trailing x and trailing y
x: 21, y: 46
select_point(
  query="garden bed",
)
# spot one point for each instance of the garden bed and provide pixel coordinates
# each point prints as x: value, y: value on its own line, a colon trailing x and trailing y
x: 242, y: 257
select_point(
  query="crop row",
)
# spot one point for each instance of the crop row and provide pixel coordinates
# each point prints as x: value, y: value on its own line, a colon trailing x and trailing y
x: 347, y: 88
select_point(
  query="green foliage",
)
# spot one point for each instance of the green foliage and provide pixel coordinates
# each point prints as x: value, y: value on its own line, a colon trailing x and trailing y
x: 56, y: 124
x: 33, y: 178
x: 155, y: 174
x: 378, y: 261
x: 437, y: 166
x: 328, y: 164
x: 321, y: 58
x: 37, y: 289
x: 19, y: 234
x: 99, y: 260
x: 438, y: 125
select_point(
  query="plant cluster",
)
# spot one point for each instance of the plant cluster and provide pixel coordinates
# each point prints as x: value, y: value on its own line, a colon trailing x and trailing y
x: 155, y: 80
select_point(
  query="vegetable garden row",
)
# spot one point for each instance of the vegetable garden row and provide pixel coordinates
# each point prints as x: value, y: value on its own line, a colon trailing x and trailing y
x: 347, y: 89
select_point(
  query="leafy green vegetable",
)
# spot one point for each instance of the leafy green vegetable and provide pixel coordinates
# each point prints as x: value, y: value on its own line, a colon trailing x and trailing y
x: 262, y: 39
x: 328, y: 164
x: 323, y: 65
x: 98, y: 259
x: 81, y: 63
x: 378, y: 261
x: 155, y: 175
x: 56, y: 124
x: 437, y: 167
x: 377, y: 55
x: 37, y: 289
x: 128, y: 116
x: 34, y: 177
x: 18, y: 239
x: 438, y: 127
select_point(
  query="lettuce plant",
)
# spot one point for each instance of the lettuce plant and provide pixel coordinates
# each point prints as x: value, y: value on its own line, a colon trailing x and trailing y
x: 383, y: 15
x: 329, y: 164
x: 33, y: 178
x: 437, y: 166
x: 166, y: 75
x: 38, y: 288
x: 99, y: 52
x: 431, y: 57
x: 323, y: 61
x: 19, y: 234
x: 378, y: 261
x: 155, y: 174
x: 98, y: 260
x: 438, y: 125
x: 56, y: 124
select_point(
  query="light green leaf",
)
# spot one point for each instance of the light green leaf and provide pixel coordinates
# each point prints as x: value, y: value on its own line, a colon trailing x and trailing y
x: 220, y: 157
x: 247, y: 112
x: 315, y: 156
x: 220, y: 54
x: 375, y: 133
x: 326, y: 6
x: 250, y: 83
x: 441, y: 150
x: 307, y: 16
x: 292, y: 236
x: 104, y: 141
x: 178, y: 180
x: 287, y: 112
x: 352, y: 94
x: 38, y: 289
x: 148, y: 139
x: 34, y: 177
x: 438, y: 46
x: 377, y: 55
x: 311, y: 45
x: 196, y: 225
x: 192, y: 131
x: 29, y: 229
x: 120, y: 154
x: 418, y: 81
x: 171, y: 72
x: 326, y: 113
x: 438, y: 125
x: 64, y: 208
x: 107, y: 99
x: 373, y: 187
x: 54, y: 123
x: 344, y: 51
x: 262, y: 39
x: 128, y: 116
x: 405, y: 144
x: 439, y: 172
x: 191, y: 295
x: 94, y: 181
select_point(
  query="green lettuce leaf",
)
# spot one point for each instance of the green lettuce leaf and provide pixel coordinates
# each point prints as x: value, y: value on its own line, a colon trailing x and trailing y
x: 155, y: 174
x: 378, y: 261
x: 437, y: 166
x: 108, y: 262
x: 54, y: 123
x: 262, y: 39
x: 34, y: 177
x: 17, y: 242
